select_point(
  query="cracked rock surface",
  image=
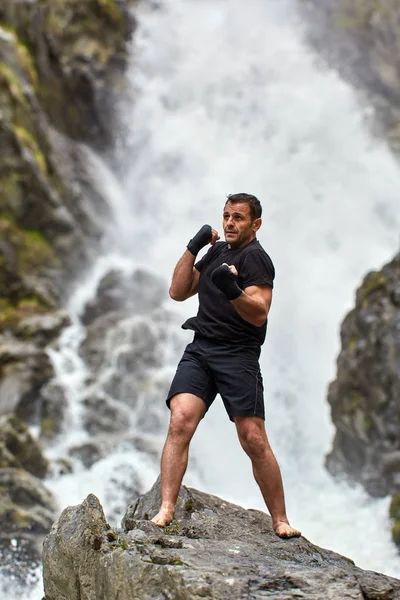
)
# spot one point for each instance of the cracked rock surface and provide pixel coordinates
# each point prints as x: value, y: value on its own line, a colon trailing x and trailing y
x: 212, y: 549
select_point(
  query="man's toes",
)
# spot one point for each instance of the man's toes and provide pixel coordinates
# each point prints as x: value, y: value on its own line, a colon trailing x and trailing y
x: 284, y: 530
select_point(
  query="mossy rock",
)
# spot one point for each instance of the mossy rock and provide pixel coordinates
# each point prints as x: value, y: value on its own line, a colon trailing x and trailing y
x: 396, y: 533
x: 25, y: 450
x: 394, y: 513
x: 356, y: 15
x: 394, y: 509
x: 373, y: 282
x: 49, y: 427
x: 32, y: 249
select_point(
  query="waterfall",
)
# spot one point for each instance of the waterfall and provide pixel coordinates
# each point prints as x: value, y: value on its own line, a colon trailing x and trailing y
x: 228, y: 98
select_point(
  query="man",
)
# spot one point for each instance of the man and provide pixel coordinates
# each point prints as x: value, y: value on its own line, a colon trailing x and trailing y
x: 234, y: 281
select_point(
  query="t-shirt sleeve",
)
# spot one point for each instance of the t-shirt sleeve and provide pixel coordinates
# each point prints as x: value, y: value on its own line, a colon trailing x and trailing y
x: 200, y: 264
x: 257, y: 269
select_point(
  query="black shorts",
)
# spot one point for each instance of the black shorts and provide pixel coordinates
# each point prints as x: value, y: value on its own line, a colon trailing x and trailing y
x: 209, y: 367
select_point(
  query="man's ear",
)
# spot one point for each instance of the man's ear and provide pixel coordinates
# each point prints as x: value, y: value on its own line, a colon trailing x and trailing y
x: 257, y: 224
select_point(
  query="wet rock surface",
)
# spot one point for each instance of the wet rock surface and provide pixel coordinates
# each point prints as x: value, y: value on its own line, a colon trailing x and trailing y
x: 212, y: 549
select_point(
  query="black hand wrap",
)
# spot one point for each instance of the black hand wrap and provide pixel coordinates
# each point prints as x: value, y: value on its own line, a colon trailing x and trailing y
x: 201, y: 239
x: 226, y: 281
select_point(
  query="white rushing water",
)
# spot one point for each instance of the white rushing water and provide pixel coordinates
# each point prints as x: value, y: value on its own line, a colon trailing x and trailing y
x: 228, y: 98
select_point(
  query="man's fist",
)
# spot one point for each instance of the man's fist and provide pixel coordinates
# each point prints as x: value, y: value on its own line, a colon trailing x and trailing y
x: 201, y: 239
x: 226, y: 280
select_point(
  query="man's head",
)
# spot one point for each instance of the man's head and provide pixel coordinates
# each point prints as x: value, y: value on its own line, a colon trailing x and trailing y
x: 241, y: 219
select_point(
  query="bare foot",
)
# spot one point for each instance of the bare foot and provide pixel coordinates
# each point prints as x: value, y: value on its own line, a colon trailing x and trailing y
x: 284, y: 530
x: 163, y: 517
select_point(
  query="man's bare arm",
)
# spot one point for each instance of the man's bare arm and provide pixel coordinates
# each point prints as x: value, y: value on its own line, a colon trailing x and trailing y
x: 185, y: 278
x: 253, y: 304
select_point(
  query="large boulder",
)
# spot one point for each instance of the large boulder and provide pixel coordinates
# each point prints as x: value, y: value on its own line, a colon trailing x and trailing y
x: 365, y: 396
x: 27, y: 510
x: 18, y: 448
x: 212, y: 549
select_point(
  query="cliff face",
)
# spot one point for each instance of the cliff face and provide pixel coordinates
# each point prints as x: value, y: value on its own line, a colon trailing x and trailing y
x: 212, y: 549
x: 361, y: 38
x: 61, y: 70
x: 365, y: 397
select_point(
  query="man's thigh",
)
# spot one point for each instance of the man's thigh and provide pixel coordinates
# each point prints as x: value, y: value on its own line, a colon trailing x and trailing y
x: 239, y: 381
x: 193, y: 376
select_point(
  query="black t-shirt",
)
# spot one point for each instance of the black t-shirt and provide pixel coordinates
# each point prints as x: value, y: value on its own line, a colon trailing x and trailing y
x: 216, y: 317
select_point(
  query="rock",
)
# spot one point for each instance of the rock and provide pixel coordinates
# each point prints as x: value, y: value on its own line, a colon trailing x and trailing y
x: 365, y: 397
x: 27, y: 511
x: 88, y: 453
x: 44, y: 328
x: 24, y: 451
x: 361, y: 38
x: 104, y: 414
x: 139, y: 293
x: 52, y: 405
x: 24, y: 369
x: 212, y: 549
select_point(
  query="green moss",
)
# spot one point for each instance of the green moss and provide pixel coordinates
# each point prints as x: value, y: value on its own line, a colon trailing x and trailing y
x: 23, y: 54
x: 20, y: 518
x: 358, y: 15
x: 34, y: 252
x: 396, y: 533
x: 8, y: 316
x: 110, y: 9
x: 355, y: 401
x: 48, y: 426
x: 172, y: 528
x: 26, y: 60
x: 124, y: 544
x: 29, y: 142
x: 352, y: 344
x: 372, y: 282
x: 394, y: 509
x: 189, y: 505
x: 8, y: 78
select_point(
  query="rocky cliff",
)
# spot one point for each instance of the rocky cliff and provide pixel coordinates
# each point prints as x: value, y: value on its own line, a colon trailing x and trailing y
x: 212, y: 549
x: 365, y: 397
x: 61, y: 72
x: 361, y: 38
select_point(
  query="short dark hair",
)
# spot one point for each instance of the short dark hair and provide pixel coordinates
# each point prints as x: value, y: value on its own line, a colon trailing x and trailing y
x: 252, y: 201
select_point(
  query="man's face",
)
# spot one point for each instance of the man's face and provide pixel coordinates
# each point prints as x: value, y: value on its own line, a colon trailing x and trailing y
x: 239, y: 228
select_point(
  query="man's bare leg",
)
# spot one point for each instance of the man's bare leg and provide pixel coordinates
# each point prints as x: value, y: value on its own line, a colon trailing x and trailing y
x: 187, y: 411
x: 253, y: 438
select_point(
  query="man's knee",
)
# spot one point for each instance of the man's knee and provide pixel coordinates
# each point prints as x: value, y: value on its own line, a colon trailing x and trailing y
x: 252, y: 437
x: 186, y: 413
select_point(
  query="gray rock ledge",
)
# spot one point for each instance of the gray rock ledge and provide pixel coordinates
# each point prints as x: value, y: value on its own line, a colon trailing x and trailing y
x: 212, y: 549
